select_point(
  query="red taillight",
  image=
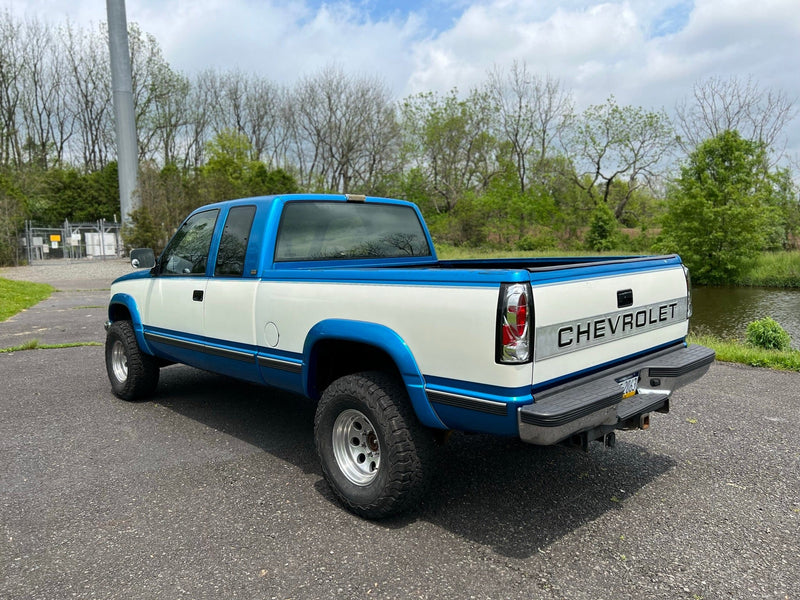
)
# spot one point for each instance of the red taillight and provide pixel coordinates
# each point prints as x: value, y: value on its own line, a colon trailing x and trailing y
x: 516, y: 317
x: 513, y: 324
x: 521, y: 310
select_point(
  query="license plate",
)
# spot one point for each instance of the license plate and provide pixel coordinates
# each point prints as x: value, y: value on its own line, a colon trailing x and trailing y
x: 629, y: 385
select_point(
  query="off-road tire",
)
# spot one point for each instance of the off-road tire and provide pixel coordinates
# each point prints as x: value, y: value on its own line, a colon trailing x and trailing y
x: 405, y: 447
x: 132, y: 373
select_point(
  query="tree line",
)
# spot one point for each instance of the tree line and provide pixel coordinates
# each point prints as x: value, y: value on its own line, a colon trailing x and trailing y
x: 509, y: 163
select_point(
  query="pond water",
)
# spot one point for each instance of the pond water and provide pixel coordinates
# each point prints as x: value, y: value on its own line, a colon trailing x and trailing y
x: 726, y: 311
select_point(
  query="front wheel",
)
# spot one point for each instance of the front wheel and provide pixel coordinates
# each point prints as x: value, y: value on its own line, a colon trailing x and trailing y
x: 132, y: 373
x: 375, y: 454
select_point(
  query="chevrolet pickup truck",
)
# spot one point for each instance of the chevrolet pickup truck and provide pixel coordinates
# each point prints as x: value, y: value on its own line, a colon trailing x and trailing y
x: 342, y: 299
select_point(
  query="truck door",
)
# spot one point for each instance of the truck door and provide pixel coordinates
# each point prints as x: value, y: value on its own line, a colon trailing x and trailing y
x: 229, y: 304
x: 173, y: 318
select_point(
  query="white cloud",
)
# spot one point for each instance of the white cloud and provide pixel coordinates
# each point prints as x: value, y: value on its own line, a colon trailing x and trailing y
x: 645, y: 52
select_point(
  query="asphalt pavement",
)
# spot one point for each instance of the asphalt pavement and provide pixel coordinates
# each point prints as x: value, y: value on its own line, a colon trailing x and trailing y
x: 213, y: 490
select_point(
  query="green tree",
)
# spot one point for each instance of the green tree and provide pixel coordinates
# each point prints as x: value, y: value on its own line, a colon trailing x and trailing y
x: 225, y: 171
x: 720, y: 210
x: 261, y: 182
x: 603, y: 229
x: 12, y: 216
x: 142, y: 232
x: 230, y: 173
x: 448, y: 141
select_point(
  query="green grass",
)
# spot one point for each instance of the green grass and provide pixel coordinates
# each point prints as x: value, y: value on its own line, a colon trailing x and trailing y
x: 738, y: 352
x: 35, y: 345
x: 19, y: 295
x: 447, y: 252
x: 773, y: 269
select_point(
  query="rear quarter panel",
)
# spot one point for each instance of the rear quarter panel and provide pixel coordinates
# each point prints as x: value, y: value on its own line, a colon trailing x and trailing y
x: 449, y: 329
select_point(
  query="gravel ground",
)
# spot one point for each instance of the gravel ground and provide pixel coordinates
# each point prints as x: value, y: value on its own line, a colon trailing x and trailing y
x: 71, y: 274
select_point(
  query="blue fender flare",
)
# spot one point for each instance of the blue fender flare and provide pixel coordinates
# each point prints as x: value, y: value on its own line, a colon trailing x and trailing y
x: 385, y: 339
x: 127, y: 301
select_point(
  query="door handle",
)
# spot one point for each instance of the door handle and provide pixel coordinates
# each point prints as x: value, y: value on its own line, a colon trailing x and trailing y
x: 197, y: 295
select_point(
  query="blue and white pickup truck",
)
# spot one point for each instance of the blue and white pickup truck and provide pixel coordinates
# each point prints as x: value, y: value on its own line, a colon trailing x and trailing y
x: 342, y: 299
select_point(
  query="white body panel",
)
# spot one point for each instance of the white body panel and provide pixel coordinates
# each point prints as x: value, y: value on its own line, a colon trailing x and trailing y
x: 230, y: 310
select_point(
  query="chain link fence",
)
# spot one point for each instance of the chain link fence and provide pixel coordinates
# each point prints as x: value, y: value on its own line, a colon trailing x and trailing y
x: 100, y: 239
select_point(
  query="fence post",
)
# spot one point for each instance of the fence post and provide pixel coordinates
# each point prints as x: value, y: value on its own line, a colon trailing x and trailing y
x: 28, y: 241
x: 103, y: 237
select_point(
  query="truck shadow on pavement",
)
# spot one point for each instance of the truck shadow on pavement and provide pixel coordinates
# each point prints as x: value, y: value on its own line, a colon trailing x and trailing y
x: 497, y: 492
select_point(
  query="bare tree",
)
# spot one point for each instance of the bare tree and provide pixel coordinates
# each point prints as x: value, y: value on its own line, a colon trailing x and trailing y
x: 154, y: 85
x: 252, y: 106
x: 532, y: 113
x: 89, y: 92
x: 619, y: 144
x: 202, y: 110
x: 169, y: 121
x: 264, y: 120
x: 719, y: 105
x: 11, y: 73
x: 48, y: 126
x: 342, y: 128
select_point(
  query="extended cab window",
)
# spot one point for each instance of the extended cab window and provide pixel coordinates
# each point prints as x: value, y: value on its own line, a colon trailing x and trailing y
x: 187, y: 251
x: 233, y: 244
x: 339, y: 230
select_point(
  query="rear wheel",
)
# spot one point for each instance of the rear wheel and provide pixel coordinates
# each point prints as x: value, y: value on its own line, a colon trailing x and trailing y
x: 132, y: 373
x: 375, y: 454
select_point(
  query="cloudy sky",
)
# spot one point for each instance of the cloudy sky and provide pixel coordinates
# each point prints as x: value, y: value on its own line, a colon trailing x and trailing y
x: 645, y: 52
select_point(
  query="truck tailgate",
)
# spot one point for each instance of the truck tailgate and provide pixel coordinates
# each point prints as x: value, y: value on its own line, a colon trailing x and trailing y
x: 590, y: 318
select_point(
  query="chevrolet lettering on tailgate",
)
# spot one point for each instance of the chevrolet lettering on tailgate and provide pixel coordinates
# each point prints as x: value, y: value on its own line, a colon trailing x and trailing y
x: 565, y: 337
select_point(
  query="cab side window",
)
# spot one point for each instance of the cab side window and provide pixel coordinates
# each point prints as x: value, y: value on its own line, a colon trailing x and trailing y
x: 187, y: 251
x: 233, y: 244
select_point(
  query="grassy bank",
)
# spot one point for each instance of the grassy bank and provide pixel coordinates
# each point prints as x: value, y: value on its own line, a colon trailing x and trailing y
x: 447, y: 252
x: 773, y: 269
x: 19, y: 295
x: 739, y: 352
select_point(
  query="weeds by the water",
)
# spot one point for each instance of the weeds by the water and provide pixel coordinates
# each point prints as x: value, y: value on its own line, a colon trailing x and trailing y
x: 773, y: 269
x: 739, y: 352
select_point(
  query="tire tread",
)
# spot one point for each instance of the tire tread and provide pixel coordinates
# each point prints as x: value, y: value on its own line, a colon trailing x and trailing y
x: 143, y: 369
x: 409, y: 448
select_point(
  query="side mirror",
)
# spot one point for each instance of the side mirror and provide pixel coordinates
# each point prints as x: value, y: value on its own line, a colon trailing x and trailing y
x: 143, y: 258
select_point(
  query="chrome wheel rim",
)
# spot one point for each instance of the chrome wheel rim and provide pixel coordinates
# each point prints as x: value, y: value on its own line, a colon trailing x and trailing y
x: 119, y: 361
x: 356, y: 447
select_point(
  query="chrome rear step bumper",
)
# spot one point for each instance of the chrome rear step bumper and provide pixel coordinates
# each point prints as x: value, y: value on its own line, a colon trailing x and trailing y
x: 596, y: 400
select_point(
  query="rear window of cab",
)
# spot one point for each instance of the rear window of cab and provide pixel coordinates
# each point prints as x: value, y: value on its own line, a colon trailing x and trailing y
x: 323, y: 230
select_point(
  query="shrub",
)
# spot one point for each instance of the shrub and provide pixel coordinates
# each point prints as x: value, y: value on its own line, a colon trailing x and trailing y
x: 537, y: 243
x: 603, y: 232
x: 768, y: 334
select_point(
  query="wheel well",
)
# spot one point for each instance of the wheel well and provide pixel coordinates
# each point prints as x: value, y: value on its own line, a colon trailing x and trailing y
x: 332, y: 359
x: 119, y: 312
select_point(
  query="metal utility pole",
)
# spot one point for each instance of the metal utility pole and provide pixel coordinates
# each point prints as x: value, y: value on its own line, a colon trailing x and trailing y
x: 124, y: 119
